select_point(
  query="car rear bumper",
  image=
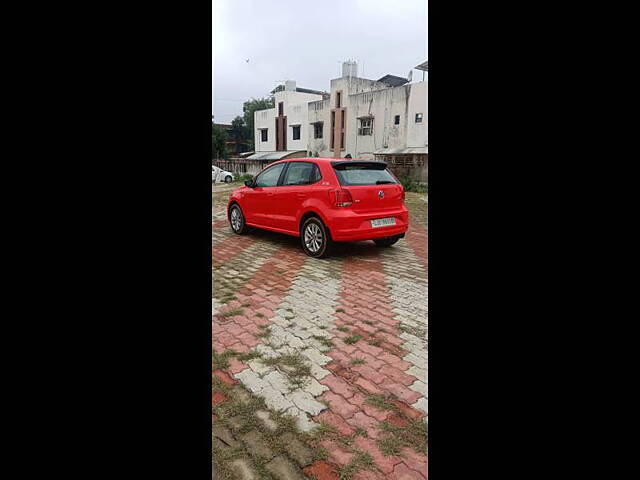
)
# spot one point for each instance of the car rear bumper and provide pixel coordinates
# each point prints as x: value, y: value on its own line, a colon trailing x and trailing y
x: 349, y: 226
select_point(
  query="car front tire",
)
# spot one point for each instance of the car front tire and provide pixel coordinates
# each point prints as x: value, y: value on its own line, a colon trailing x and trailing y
x: 315, y: 238
x: 227, y: 179
x: 236, y: 220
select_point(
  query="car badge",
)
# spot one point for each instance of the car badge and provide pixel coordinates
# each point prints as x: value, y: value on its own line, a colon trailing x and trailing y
x: 381, y: 194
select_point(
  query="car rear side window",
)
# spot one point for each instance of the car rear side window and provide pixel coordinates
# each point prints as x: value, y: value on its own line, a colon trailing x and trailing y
x: 301, y: 173
x: 364, y: 173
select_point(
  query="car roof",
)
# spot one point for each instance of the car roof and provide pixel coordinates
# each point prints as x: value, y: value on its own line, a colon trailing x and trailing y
x: 315, y: 159
x: 332, y: 161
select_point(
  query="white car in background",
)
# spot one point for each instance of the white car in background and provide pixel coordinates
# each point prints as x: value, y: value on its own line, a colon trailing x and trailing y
x: 218, y: 175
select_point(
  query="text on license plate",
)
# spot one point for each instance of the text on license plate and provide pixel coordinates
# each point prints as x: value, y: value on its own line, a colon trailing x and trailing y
x: 383, y: 222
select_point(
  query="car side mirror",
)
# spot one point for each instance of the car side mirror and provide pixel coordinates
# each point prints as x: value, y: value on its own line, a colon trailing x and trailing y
x: 249, y: 183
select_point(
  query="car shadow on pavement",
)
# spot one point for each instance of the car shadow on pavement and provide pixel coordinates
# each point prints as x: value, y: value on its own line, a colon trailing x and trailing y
x: 366, y: 249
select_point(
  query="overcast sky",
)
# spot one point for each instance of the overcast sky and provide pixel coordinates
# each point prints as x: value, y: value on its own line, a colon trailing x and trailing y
x: 305, y: 41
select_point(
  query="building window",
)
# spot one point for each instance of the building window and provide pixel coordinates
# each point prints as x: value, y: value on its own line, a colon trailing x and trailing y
x: 366, y: 126
x: 296, y: 132
x: 338, y: 99
x: 333, y: 124
x: 280, y: 109
x: 396, y: 120
x: 263, y: 134
x: 317, y: 130
x: 418, y: 118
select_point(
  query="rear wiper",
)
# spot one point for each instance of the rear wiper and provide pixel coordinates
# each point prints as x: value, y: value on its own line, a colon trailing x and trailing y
x: 382, y: 182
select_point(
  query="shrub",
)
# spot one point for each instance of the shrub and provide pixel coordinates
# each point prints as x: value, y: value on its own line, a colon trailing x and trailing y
x: 244, y: 176
x: 411, y: 185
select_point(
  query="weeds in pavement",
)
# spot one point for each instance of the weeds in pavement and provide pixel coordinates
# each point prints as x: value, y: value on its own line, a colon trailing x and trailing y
x: 357, y: 361
x: 232, y: 312
x: 236, y: 417
x: 323, y: 340
x: 351, y: 339
x: 265, y: 333
x: 360, y: 461
x: 379, y: 401
x: 416, y: 331
x: 343, y: 328
x: 292, y: 366
x: 374, y: 341
x: 221, y: 360
x: 413, y: 435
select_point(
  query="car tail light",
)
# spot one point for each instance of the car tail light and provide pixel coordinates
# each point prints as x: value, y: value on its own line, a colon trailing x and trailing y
x: 343, y: 198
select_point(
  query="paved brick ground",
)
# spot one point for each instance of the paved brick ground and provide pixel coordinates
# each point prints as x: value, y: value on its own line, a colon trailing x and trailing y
x: 357, y: 320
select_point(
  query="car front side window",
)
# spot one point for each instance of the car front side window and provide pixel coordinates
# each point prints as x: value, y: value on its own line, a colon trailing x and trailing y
x: 269, y: 178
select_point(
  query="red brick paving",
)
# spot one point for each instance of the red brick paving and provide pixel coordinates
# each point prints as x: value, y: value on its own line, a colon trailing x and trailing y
x: 382, y: 373
x: 367, y: 311
x: 218, y: 398
x: 402, y: 472
x: 418, y: 239
x: 230, y: 248
x: 321, y: 471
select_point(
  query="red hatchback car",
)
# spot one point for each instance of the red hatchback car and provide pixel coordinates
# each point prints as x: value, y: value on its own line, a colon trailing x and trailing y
x: 323, y: 200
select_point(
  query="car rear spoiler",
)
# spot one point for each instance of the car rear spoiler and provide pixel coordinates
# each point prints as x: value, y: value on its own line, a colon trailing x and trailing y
x: 376, y: 164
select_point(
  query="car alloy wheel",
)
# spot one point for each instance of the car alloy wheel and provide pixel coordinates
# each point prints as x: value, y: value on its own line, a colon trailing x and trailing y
x: 313, y: 237
x: 227, y: 179
x: 236, y: 219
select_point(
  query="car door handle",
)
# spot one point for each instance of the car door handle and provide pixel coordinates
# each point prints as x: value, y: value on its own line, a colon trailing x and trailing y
x: 270, y: 194
x: 301, y: 195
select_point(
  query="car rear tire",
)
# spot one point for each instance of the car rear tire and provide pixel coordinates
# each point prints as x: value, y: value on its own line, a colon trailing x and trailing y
x: 386, y: 241
x: 236, y: 220
x: 227, y: 179
x: 315, y: 238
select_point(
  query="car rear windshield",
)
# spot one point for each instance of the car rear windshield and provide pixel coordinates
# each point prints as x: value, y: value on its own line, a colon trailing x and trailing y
x: 353, y: 173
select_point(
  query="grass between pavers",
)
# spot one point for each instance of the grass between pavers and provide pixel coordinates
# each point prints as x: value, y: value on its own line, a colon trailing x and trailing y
x: 416, y: 331
x: 323, y: 340
x: 265, y: 333
x: 241, y: 408
x: 380, y: 402
x: 361, y: 460
x: 357, y: 361
x: 351, y: 339
x: 232, y: 312
x: 413, y: 435
x: 292, y: 366
x: 376, y: 342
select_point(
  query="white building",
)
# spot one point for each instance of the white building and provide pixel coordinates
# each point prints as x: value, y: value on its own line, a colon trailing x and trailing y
x: 384, y: 119
x: 282, y: 132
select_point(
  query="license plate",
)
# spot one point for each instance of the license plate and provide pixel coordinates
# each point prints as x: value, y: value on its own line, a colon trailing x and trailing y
x: 383, y: 222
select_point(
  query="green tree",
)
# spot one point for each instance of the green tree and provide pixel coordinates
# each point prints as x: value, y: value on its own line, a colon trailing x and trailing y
x: 240, y: 129
x: 218, y: 142
x: 248, y: 108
